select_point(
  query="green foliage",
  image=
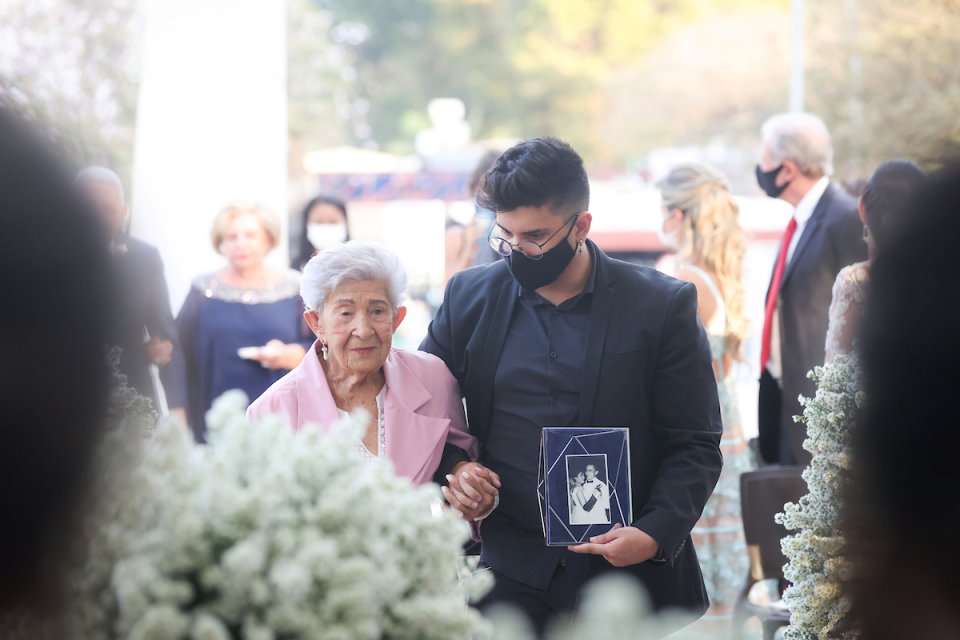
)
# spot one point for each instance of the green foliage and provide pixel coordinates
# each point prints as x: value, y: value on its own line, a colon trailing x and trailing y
x: 523, y: 67
x: 884, y: 75
x: 617, y: 78
x: 72, y: 67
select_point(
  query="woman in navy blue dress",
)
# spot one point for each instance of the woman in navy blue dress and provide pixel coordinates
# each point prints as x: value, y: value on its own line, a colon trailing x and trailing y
x: 241, y: 327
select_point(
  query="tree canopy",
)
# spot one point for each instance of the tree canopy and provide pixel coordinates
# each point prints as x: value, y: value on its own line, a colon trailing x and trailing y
x: 616, y: 78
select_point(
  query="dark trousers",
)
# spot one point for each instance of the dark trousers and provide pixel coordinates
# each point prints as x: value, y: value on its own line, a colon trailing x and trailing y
x: 540, y: 606
x: 769, y: 407
x: 780, y: 437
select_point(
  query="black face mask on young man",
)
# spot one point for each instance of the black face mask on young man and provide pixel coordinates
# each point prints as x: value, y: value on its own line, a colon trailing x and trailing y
x: 768, y: 181
x: 533, y: 274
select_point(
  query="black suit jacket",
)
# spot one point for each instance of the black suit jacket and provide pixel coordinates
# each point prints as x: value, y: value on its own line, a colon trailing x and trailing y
x: 142, y: 302
x: 647, y: 367
x: 831, y: 240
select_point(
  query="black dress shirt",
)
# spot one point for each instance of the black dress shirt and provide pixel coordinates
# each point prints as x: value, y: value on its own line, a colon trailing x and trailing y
x: 536, y: 385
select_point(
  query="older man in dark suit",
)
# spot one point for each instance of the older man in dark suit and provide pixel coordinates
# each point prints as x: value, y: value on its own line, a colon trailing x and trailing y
x: 143, y: 325
x: 823, y: 236
x: 559, y: 334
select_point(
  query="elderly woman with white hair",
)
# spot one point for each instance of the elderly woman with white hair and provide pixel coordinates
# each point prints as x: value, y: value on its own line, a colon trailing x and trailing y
x: 352, y: 293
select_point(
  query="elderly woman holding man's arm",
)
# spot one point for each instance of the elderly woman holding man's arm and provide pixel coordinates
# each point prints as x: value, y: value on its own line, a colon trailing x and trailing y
x: 352, y: 294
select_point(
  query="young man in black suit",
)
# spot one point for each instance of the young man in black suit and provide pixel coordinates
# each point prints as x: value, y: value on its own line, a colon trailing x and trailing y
x: 823, y: 236
x: 559, y: 334
x: 143, y: 324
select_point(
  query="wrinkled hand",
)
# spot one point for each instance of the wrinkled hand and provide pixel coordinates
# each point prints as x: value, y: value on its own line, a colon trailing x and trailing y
x: 278, y: 355
x: 159, y: 351
x: 621, y: 546
x: 471, y: 489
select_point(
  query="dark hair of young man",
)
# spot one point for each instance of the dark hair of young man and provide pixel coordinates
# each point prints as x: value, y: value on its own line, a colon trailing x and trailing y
x: 535, y: 173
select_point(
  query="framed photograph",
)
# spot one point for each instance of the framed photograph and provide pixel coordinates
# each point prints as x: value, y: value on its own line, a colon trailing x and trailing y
x: 584, y: 486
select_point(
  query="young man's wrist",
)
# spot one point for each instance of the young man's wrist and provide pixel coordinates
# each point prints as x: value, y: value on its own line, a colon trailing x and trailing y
x: 496, y: 503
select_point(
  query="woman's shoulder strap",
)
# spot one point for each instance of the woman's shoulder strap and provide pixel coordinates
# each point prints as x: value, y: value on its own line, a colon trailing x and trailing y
x: 707, y: 280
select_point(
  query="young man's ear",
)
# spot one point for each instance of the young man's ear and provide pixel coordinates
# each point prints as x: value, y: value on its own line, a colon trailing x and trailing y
x: 582, y: 225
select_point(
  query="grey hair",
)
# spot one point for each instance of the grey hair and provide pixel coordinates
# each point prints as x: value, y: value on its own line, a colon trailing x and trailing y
x: 95, y: 173
x: 802, y: 138
x: 352, y: 261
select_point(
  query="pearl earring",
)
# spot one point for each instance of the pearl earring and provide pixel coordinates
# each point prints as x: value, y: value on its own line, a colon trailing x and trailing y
x: 325, y: 351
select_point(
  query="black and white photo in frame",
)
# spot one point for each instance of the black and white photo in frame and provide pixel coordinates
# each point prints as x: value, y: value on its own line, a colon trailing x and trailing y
x: 589, y: 495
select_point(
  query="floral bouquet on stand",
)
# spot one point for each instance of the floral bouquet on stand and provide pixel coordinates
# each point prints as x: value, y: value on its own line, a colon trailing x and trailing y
x: 264, y: 533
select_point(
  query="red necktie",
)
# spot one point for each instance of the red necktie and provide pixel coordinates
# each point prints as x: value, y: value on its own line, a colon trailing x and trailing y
x: 775, y: 291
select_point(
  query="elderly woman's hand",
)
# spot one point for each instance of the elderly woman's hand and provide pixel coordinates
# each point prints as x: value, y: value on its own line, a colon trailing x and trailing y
x: 472, y: 490
x: 277, y: 355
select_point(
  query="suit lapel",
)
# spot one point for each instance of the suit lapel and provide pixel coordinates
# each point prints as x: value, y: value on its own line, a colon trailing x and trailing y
x: 412, y: 438
x: 809, y: 231
x: 488, y: 355
x: 600, y: 310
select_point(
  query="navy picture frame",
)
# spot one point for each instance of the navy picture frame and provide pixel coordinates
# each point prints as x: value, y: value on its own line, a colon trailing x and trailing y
x: 584, y: 482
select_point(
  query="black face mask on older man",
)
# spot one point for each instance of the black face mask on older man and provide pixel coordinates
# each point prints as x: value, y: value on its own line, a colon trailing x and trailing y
x: 768, y: 181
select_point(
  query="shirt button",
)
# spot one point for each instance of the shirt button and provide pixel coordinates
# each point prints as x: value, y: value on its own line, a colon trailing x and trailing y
x: 555, y: 312
x: 553, y: 354
x: 563, y: 562
x: 554, y: 395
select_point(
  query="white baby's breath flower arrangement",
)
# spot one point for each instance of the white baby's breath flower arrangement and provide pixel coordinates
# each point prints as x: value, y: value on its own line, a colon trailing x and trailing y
x: 265, y: 533
x: 819, y: 566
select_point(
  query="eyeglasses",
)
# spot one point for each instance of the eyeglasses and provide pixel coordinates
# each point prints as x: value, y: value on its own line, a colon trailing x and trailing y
x: 529, y: 248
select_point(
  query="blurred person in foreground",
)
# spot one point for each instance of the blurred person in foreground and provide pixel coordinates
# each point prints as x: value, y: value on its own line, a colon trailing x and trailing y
x: 701, y: 223
x: 465, y: 245
x: 887, y: 199
x: 353, y: 293
x: 143, y: 327
x: 323, y: 224
x: 559, y: 334
x: 907, y: 517
x: 240, y: 327
x: 823, y: 236
x: 55, y: 275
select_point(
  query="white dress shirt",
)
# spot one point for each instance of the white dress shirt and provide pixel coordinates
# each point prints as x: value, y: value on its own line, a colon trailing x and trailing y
x: 803, y: 212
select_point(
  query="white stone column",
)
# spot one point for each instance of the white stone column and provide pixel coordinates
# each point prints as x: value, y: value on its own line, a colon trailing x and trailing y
x: 211, y: 126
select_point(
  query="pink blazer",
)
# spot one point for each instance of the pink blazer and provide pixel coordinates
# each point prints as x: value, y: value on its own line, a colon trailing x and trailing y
x: 422, y: 408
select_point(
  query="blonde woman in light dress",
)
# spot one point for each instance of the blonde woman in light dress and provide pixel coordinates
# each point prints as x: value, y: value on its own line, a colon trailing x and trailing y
x: 700, y: 222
